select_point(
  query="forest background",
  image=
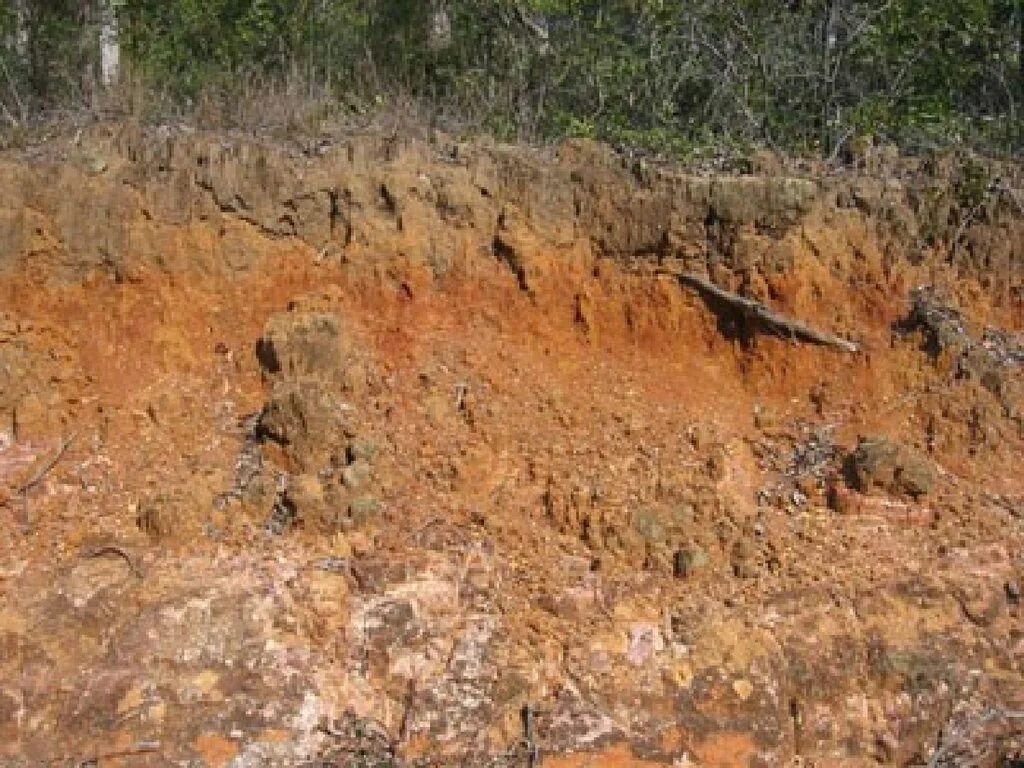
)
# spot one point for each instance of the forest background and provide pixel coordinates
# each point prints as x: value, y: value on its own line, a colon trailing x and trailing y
x: 677, y: 77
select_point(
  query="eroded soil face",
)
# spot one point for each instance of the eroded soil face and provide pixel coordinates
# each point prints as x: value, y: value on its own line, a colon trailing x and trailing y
x: 422, y: 454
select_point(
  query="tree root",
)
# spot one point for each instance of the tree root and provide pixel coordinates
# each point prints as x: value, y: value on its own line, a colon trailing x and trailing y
x: 758, y: 313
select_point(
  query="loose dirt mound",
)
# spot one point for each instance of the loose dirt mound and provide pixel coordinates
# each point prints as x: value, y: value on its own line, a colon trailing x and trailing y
x: 388, y: 453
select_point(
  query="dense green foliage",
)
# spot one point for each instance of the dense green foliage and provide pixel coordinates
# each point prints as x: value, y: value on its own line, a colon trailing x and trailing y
x: 799, y: 75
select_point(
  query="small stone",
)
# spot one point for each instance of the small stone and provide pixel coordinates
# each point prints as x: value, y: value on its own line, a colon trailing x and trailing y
x: 679, y: 674
x: 362, y: 450
x: 132, y: 700
x: 1013, y: 592
x: 356, y: 475
x: 765, y: 418
x: 342, y: 548
x: 156, y: 712
x: 205, y: 682
x: 688, y: 561
x: 743, y: 688
x: 645, y: 641
x: 6, y: 432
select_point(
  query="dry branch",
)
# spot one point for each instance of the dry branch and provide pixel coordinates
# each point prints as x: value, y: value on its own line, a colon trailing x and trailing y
x: 45, y: 469
x: 22, y: 490
x: 763, y: 316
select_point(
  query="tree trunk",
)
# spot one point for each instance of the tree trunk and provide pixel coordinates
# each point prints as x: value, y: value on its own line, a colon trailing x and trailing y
x: 20, y: 28
x: 110, y: 44
x: 439, y: 35
x: 829, y: 40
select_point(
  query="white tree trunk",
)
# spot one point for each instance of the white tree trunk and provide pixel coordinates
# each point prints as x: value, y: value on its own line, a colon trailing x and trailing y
x: 110, y: 44
x: 439, y: 35
x: 20, y: 28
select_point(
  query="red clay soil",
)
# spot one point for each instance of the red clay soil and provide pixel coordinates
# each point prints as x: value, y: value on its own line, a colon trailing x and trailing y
x: 359, y: 453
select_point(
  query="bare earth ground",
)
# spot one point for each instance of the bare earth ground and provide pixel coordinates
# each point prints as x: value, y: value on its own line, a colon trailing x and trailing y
x: 388, y: 453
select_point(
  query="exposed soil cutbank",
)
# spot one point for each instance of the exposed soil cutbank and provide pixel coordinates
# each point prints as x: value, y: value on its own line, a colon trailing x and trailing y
x: 360, y: 452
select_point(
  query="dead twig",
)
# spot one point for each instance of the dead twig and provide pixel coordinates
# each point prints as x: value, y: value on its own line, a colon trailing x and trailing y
x: 965, y: 222
x: 762, y: 315
x: 529, y: 715
x: 407, y: 708
x: 111, y: 549
x: 985, y: 616
x: 45, y: 470
x: 37, y: 478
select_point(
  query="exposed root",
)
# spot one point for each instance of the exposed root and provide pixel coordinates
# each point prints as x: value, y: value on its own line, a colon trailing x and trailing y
x: 757, y: 313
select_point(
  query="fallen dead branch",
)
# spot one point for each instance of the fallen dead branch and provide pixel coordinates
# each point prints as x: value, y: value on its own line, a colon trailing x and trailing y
x: 756, y: 312
x: 45, y: 469
x: 37, y: 478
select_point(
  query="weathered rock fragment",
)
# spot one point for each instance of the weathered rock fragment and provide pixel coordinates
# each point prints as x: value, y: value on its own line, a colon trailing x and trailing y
x: 879, y: 463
